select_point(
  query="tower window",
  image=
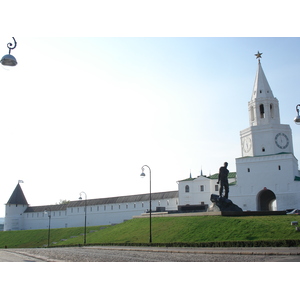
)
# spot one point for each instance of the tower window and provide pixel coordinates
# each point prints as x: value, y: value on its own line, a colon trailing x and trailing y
x: 263, y: 149
x: 248, y: 170
x: 279, y: 167
x: 262, y: 111
x: 271, y: 111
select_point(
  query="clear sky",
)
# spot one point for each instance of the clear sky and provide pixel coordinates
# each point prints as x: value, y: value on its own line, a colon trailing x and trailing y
x: 85, y: 114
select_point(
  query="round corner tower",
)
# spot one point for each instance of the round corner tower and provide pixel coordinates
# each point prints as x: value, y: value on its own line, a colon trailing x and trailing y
x: 14, y: 210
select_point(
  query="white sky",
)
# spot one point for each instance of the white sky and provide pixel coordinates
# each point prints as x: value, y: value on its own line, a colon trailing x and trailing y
x: 85, y: 113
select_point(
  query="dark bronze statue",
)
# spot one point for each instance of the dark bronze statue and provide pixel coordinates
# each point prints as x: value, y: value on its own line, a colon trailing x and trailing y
x: 223, y: 180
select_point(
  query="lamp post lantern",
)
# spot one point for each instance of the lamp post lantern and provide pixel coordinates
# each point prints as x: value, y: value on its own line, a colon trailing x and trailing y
x: 9, y: 60
x: 143, y: 175
x: 297, y: 118
x: 80, y: 198
x: 48, y: 212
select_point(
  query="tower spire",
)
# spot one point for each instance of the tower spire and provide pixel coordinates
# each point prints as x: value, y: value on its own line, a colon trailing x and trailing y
x: 261, y: 87
x: 263, y: 106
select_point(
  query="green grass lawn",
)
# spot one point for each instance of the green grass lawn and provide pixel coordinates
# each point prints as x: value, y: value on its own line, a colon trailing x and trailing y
x: 166, y: 230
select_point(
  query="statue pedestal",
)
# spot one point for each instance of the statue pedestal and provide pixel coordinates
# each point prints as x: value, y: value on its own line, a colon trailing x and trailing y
x: 224, y: 204
x: 213, y: 208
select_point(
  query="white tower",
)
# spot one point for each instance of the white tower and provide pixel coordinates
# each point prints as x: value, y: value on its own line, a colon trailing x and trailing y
x: 265, y: 136
x: 267, y: 170
x: 14, y: 210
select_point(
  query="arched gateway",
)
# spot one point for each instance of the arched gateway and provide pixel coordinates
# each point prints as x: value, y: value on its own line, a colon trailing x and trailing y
x: 265, y: 200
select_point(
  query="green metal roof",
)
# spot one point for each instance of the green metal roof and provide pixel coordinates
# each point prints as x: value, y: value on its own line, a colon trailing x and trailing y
x: 216, y: 176
x: 188, y: 179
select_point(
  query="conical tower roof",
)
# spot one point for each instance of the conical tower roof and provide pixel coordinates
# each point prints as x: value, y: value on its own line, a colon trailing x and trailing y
x: 17, y: 197
x: 261, y: 87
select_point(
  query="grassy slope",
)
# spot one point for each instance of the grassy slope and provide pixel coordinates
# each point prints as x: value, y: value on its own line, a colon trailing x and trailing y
x: 165, y: 230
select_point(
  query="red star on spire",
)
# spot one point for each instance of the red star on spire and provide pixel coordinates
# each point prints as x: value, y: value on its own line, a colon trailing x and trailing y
x: 258, y: 55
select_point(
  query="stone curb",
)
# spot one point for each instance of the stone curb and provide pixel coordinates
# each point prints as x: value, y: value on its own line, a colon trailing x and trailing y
x: 234, y: 251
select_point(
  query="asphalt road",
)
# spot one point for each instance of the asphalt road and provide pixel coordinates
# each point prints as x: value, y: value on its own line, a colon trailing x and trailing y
x: 150, y: 254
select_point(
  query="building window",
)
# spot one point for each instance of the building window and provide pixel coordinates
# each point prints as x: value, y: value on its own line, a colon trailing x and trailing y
x: 127, y: 206
x: 262, y: 111
x: 272, y: 111
x: 263, y: 149
x: 119, y: 206
x: 248, y: 170
x: 97, y: 208
x: 216, y: 188
x: 187, y: 189
x: 142, y: 204
x: 104, y: 207
x: 78, y: 209
x: 168, y: 202
x: 134, y: 205
x: 91, y: 209
x: 201, y: 188
x: 71, y: 210
x: 279, y: 168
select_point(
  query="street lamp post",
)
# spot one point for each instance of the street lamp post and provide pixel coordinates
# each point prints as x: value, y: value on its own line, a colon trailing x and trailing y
x: 49, y: 216
x: 297, y: 118
x: 143, y: 175
x: 80, y: 198
x: 8, y: 59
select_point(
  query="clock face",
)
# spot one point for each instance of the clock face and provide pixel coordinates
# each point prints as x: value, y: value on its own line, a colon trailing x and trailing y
x: 247, y: 144
x: 281, y: 140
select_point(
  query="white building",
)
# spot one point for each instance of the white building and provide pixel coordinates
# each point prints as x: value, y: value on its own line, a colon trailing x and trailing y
x: 19, y: 215
x: 267, y: 175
